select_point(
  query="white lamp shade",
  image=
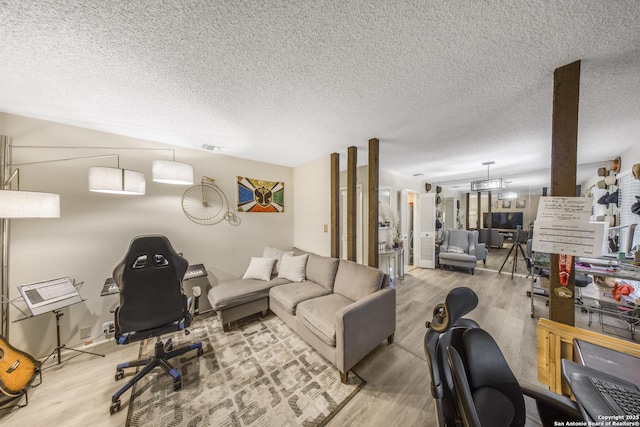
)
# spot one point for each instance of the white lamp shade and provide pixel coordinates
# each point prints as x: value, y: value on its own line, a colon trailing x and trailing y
x: 29, y: 204
x: 170, y: 172
x: 116, y: 181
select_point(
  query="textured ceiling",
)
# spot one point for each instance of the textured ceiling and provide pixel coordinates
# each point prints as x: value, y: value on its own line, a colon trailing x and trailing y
x: 444, y: 85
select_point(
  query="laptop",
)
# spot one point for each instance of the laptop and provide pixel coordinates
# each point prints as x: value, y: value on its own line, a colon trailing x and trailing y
x: 601, y: 395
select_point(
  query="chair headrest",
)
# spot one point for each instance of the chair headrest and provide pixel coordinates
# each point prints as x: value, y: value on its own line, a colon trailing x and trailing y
x: 459, y: 302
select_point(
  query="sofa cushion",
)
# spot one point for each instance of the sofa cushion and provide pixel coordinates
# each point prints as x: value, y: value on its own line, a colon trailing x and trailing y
x: 241, y: 291
x: 277, y: 254
x: 322, y: 270
x: 319, y: 315
x: 290, y: 295
x: 457, y: 257
x: 356, y: 281
x: 260, y: 268
x: 293, y: 267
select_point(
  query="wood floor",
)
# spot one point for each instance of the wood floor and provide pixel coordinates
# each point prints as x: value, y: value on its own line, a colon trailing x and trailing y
x: 78, y: 392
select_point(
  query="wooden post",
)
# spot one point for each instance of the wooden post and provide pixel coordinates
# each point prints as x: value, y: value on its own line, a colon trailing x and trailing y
x: 489, y: 220
x: 374, y: 166
x: 466, y: 214
x: 564, y: 150
x: 352, y: 160
x: 335, y: 205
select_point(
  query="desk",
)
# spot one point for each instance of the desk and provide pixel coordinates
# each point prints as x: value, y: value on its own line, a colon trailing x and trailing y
x: 554, y: 342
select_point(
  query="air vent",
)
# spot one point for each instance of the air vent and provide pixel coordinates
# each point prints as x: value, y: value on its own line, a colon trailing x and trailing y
x: 211, y: 147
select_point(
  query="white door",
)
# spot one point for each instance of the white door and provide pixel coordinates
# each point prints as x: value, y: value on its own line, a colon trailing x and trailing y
x: 427, y: 231
x: 408, y: 225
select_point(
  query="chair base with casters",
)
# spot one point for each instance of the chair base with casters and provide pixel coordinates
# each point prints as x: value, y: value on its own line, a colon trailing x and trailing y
x: 162, y: 353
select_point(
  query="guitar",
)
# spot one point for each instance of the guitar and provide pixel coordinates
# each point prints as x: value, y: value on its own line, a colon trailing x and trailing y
x: 17, y: 369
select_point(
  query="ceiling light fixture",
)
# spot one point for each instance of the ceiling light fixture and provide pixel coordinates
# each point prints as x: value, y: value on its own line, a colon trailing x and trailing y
x: 508, y: 195
x: 487, y: 184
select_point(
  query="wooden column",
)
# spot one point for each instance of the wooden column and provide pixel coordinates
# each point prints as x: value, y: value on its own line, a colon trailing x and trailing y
x: 335, y: 205
x: 466, y: 215
x: 564, y: 149
x: 374, y: 167
x: 352, y: 160
x: 489, y: 220
x: 479, y: 216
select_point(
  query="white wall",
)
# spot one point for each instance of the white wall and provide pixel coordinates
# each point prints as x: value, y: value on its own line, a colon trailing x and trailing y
x: 94, y: 230
x: 312, y: 210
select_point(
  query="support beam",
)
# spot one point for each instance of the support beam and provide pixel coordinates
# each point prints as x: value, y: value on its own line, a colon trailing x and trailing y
x: 466, y: 214
x: 374, y: 167
x: 352, y: 160
x: 564, y: 150
x: 335, y: 205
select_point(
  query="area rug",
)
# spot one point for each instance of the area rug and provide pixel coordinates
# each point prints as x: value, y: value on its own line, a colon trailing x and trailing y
x: 257, y: 374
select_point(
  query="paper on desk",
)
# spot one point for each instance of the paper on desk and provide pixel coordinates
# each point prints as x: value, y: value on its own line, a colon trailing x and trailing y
x: 562, y: 227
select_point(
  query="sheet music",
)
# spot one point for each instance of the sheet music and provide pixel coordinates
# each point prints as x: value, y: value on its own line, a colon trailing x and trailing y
x: 49, y: 294
x: 562, y: 227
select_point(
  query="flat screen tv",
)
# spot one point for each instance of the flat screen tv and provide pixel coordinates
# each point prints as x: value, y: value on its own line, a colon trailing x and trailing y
x: 504, y: 220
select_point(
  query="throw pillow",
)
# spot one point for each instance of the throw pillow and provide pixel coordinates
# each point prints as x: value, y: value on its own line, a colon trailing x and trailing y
x: 260, y: 268
x: 293, y: 267
x: 277, y: 254
x: 455, y: 250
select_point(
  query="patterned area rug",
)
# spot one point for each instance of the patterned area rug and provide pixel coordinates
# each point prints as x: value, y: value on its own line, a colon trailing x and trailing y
x: 258, y: 374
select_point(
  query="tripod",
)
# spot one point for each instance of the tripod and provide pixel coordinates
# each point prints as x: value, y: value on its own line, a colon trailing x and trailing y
x: 59, y: 347
x: 517, y: 244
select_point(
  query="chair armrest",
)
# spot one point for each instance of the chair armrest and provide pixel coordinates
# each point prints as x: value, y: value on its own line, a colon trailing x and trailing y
x: 481, y: 251
x: 363, y: 325
x: 552, y: 406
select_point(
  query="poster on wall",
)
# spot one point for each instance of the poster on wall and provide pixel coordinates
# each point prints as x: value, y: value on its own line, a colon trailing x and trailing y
x: 257, y: 195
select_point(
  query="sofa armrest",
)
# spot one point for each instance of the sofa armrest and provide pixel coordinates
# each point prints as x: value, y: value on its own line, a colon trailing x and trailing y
x: 363, y: 325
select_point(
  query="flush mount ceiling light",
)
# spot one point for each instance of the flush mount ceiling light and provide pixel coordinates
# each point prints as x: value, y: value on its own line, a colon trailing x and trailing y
x: 172, y: 172
x: 116, y: 181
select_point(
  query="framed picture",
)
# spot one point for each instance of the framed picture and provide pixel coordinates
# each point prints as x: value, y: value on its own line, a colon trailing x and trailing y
x: 506, y: 204
x: 520, y: 204
x: 495, y: 204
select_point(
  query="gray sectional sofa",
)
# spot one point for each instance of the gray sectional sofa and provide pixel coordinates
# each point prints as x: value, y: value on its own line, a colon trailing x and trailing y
x: 343, y: 309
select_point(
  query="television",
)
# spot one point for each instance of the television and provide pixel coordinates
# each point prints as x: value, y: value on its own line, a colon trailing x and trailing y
x: 503, y: 220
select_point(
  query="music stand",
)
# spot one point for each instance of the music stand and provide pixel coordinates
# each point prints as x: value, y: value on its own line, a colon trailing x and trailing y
x: 516, y: 244
x: 51, y: 296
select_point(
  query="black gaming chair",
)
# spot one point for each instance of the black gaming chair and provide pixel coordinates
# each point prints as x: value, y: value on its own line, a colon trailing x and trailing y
x: 152, y: 304
x: 471, y: 381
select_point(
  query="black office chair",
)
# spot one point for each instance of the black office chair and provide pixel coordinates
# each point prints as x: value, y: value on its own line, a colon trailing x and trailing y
x: 152, y: 304
x: 471, y: 381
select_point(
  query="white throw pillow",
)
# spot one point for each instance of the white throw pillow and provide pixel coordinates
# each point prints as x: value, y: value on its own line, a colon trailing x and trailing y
x: 260, y: 268
x: 293, y: 267
x: 277, y: 254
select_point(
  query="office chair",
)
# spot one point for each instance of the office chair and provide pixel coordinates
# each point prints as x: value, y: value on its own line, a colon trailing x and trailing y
x: 471, y: 381
x: 152, y: 304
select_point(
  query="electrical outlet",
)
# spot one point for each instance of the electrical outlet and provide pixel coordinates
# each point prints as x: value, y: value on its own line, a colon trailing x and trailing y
x: 85, y: 332
x: 108, y: 328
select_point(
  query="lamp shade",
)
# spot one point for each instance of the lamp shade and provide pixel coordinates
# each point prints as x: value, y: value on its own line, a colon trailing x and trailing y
x: 116, y: 181
x: 29, y: 204
x: 171, y: 172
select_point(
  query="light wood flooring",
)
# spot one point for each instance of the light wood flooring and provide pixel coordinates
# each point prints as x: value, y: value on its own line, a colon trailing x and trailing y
x: 78, y: 392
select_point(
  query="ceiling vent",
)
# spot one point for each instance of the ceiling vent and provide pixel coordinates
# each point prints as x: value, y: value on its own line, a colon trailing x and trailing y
x: 211, y: 147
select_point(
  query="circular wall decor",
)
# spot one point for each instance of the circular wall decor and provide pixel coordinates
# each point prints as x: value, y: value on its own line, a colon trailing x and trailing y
x: 206, y: 204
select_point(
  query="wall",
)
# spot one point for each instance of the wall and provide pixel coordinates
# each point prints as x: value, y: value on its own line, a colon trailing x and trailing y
x: 94, y: 230
x: 312, y: 210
